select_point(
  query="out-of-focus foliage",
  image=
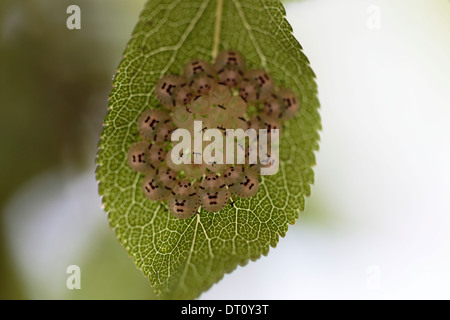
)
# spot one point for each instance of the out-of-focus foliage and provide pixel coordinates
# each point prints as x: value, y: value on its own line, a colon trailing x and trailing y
x: 108, y: 273
x: 54, y: 84
x: 183, y: 258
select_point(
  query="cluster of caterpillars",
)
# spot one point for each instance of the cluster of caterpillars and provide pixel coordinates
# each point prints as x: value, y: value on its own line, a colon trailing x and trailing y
x: 223, y: 95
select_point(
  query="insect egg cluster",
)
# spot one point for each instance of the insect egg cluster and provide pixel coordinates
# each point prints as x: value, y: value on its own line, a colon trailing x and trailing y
x: 223, y: 95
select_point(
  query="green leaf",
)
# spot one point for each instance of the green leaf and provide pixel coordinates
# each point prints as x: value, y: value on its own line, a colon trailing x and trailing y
x: 183, y: 258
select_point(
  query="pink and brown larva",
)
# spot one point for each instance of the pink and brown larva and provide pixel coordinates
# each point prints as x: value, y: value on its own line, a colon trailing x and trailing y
x: 248, y: 90
x: 230, y: 67
x: 164, y: 132
x: 183, y: 201
x: 247, y: 185
x: 233, y: 175
x: 155, y: 155
x: 165, y: 89
x: 182, y: 95
x: 137, y: 157
x: 273, y: 107
x: 262, y: 81
x: 202, y: 84
x: 154, y: 189
x: 149, y: 122
x: 229, y: 58
x: 224, y: 95
x: 196, y: 68
x: 230, y: 76
x: 168, y: 177
x: 270, y: 123
x: 290, y: 101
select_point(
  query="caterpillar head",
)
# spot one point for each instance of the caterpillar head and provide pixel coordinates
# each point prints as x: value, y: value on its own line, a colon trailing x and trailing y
x: 248, y: 186
x: 149, y: 122
x: 202, y: 84
x: 182, y: 207
x: 195, y: 68
x: 155, y: 155
x: 263, y: 82
x: 214, y: 200
x: 211, y: 181
x: 270, y: 123
x: 164, y: 132
x: 165, y: 88
x: 273, y: 107
x: 228, y: 58
x: 137, y: 157
x: 182, y: 95
x: 183, y: 202
x: 233, y: 175
x: 168, y: 177
x: 154, y: 189
x: 185, y: 188
x: 290, y: 101
x: 230, y: 76
x: 248, y: 90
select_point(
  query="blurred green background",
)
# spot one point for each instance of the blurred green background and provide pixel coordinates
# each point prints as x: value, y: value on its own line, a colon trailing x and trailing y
x: 377, y: 224
x: 54, y: 84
